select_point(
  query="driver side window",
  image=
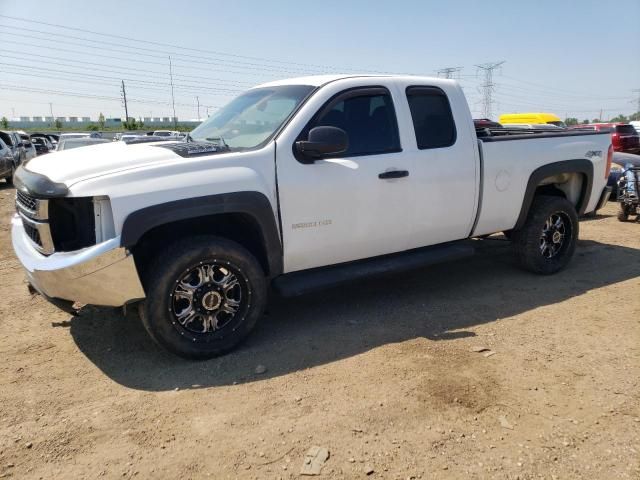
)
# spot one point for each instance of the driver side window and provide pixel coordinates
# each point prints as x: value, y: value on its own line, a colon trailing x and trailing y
x: 369, y: 120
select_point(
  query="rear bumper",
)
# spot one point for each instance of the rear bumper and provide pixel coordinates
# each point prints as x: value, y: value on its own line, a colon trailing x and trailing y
x: 104, y: 274
x: 604, y: 197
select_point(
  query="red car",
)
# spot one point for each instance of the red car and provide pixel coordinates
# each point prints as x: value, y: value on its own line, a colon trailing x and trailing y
x: 623, y: 135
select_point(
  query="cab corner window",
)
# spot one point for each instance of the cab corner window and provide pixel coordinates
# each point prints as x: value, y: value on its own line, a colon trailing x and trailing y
x: 432, y: 118
x: 368, y: 119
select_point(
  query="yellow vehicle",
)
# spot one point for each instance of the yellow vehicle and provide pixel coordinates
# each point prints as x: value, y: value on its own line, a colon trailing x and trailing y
x: 534, y: 118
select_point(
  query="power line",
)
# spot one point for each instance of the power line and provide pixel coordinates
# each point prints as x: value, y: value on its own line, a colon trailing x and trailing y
x: 488, y: 87
x: 133, y: 80
x: 21, y: 88
x: 49, y: 59
x: 149, y: 42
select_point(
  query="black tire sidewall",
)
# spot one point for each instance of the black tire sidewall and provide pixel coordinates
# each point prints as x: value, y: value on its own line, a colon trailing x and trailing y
x: 527, y: 239
x: 160, y: 280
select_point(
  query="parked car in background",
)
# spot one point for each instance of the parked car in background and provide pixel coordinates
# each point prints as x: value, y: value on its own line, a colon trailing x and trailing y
x: 43, y: 144
x: 29, y: 148
x: 166, y: 133
x: 6, y: 162
x: 13, y: 141
x: 533, y: 117
x: 619, y: 162
x: 69, y: 143
x: 485, y: 123
x: 623, y: 135
x: 67, y: 136
x: 126, y: 137
x: 53, y: 139
x: 534, y: 126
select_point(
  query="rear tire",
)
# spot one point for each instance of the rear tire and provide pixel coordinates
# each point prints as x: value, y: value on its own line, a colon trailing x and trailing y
x: 547, y: 240
x: 204, y: 296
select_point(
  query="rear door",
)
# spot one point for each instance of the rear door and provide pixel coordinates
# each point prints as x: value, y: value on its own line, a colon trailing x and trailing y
x: 348, y: 206
x: 446, y: 166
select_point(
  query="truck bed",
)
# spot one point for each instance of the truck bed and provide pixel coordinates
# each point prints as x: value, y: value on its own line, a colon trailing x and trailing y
x: 506, y: 134
x: 506, y: 166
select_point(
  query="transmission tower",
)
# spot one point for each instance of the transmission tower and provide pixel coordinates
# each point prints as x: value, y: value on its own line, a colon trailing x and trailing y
x: 449, y: 72
x: 487, y: 87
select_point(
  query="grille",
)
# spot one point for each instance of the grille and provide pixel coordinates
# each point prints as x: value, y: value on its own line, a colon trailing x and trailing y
x: 33, y: 233
x: 26, y: 201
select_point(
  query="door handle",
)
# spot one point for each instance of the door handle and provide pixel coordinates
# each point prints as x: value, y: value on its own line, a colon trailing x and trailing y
x: 393, y: 174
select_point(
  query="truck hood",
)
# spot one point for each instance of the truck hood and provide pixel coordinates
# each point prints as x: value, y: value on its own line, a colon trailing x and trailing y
x: 74, y: 165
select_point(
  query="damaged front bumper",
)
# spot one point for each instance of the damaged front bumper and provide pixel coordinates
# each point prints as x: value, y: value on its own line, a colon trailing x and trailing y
x: 103, y: 274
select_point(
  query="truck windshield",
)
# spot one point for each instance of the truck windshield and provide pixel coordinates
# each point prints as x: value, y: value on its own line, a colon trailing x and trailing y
x: 252, y: 118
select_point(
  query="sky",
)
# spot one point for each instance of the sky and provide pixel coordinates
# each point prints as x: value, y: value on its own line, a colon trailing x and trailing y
x: 570, y: 57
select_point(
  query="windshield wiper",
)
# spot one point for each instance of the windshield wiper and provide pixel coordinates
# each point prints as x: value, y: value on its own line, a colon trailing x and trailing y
x: 218, y: 140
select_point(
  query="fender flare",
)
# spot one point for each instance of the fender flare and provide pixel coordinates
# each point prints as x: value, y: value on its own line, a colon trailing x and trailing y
x: 581, y: 166
x: 254, y: 204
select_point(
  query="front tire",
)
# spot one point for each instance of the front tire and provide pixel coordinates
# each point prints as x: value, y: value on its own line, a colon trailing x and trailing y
x: 547, y: 241
x: 204, y: 296
x: 623, y: 215
x: 9, y: 179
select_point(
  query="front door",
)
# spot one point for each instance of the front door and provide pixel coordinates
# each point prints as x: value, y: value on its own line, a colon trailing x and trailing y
x: 349, y: 206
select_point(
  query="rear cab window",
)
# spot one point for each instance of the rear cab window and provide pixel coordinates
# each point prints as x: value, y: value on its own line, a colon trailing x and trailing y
x: 432, y: 117
x: 368, y: 117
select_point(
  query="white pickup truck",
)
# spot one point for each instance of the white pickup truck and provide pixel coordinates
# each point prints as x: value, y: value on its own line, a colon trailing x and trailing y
x: 298, y: 184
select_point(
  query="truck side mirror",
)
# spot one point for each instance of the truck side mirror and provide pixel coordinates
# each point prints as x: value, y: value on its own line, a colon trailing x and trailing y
x: 323, y: 141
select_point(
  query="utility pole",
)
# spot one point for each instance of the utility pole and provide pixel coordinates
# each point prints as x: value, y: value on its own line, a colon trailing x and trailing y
x: 637, y: 91
x: 449, y: 72
x: 51, y: 112
x: 198, y: 100
x: 173, y: 100
x: 124, y: 97
x: 488, y: 87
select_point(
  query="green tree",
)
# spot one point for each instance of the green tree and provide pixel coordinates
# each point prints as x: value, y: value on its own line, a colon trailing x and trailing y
x: 101, y: 121
x: 571, y: 121
x: 130, y: 124
x: 57, y: 124
x: 596, y: 120
x: 620, y: 118
x: 585, y: 121
x: 634, y: 117
x: 92, y: 127
x: 4, y: 122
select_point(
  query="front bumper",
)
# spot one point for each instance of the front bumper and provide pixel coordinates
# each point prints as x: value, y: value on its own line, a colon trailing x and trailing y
x: 604, y: 197
x: 103, y: 274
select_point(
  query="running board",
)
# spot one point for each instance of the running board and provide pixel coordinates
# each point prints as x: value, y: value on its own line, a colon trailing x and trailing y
x: 299, y: 283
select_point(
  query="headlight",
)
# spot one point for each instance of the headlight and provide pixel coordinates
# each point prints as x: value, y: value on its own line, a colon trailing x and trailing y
x: 80, y: 222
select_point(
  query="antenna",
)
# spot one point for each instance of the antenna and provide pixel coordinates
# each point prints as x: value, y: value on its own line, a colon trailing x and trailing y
x: 487, y: 87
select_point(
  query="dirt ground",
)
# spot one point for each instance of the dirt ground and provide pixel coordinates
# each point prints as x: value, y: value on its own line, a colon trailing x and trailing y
x: 381, y: 373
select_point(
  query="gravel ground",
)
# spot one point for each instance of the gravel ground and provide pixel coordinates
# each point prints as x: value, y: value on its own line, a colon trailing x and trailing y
x: 383, y: 374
